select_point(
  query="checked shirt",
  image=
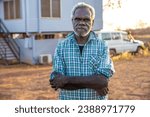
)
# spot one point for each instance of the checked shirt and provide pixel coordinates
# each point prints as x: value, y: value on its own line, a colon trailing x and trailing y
x: 70, y: 62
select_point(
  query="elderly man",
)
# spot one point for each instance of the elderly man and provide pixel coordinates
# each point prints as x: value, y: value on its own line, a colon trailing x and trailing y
x: 82, y: 66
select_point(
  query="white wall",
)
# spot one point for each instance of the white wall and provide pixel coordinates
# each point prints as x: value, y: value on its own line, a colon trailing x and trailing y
x: 64, y: 23
x: 1, y: 9
x: 17, y: 25
x: 31, y: 49
x: 31, y: 20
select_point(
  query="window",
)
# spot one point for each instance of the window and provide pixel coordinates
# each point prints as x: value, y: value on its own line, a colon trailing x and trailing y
x: 125, y: 36
x: 116, y: 36
x: 106, y: 36
x: 50, y: 8
x: 12, y: 9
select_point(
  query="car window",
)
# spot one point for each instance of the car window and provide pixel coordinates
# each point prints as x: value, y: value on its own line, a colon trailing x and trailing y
x: 116, y: 36
x: 106, y: 36
x: 125, y: 37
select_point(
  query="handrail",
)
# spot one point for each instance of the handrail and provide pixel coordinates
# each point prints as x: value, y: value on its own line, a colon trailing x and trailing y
x: 11, y: 42
x: 3, y: 54
x: 3, y: 27
x: 13, y: 46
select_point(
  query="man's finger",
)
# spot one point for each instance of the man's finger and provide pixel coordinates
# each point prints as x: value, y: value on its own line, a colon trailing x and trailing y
x: 53, y: 86
x: 51, y: 80
x: 56, y: 89
x: 51, y: 83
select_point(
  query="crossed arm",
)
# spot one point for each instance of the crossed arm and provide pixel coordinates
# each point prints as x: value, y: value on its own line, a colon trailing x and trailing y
x: 97, y: 82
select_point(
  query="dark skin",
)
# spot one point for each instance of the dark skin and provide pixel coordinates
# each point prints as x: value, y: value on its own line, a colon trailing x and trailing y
x: 82, y: 24
x: 96, y: 82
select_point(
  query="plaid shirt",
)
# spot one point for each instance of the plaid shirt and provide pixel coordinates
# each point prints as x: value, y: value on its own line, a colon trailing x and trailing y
x: 70, y: 62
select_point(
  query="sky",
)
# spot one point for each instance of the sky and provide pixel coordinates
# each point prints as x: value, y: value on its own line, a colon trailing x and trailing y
x: 128, y: 16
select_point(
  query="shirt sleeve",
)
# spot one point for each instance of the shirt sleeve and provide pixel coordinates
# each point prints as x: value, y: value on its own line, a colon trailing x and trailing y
x: 104, y: 63
x: 58, y: 62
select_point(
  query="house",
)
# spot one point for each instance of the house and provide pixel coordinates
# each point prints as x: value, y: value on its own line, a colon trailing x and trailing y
x: 34, y: 27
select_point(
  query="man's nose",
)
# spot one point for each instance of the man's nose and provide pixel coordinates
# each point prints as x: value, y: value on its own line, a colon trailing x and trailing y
x: 82, y: 21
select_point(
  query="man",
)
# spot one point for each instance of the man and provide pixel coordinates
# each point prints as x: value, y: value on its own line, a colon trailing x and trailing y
x: 82, y: 65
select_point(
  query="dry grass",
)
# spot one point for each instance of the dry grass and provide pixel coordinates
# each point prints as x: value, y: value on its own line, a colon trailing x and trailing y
x: 144, y: 37
x: 130, y: 56
x: 123, y: 56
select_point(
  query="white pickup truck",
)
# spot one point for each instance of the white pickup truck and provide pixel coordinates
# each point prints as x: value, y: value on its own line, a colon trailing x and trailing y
x: 119, y: 42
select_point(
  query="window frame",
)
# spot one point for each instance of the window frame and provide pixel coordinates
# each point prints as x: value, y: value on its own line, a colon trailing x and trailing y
x: 106, y: 38
x: 116, y: 36
x: 51, y: 10
x: 8, y: 11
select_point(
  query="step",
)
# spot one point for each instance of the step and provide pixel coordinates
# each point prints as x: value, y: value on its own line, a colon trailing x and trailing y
x: 7, y: 50
x: 9, y: 54
x: 9, y: 62
x: 11, y: 58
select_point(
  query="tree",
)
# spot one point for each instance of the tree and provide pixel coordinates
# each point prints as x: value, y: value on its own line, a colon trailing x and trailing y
x: 113, y: 4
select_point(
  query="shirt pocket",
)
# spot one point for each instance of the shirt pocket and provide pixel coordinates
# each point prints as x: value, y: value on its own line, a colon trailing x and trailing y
x: 94, y: 61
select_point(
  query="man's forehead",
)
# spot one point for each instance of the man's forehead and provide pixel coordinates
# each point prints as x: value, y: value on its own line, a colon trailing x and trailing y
x: 81, y: 11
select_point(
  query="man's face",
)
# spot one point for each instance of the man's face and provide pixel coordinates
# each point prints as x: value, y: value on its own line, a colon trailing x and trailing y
x: 82, y: 22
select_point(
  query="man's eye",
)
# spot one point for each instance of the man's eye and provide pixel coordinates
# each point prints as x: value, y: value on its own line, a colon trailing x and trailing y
x: 77, y: 19
x: 86, y: 20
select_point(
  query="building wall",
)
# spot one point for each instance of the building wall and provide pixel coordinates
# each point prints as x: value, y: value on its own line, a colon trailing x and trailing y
x: 31, y: 49
x: 31, y: 20
x: 1, y: 9
x: 17, y: 25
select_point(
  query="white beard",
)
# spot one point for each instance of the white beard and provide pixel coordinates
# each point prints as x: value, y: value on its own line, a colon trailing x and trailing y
x: 82, y: 35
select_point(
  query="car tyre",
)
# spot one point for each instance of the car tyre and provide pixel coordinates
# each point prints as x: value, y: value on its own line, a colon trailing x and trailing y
x: 140, y: 51
x: 112, y: 52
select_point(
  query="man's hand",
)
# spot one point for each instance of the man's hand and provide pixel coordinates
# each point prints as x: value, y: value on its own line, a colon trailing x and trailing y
x: 58, y: 81
x: 97, y: 82
x: 100, y: 81
x: 103, y: 92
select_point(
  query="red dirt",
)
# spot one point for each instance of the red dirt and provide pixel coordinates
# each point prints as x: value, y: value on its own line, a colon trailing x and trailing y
x: 25, y: 82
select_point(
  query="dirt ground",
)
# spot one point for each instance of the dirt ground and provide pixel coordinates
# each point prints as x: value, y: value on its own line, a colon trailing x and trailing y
x: 130, y: 82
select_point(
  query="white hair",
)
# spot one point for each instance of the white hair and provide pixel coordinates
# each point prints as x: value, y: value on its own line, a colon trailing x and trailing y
x: 83, y: 5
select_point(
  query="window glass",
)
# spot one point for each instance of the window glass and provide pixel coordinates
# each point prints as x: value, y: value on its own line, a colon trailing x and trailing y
x: 45, y: 7
x: 6, y: 13
x: 56, y: 8
x: 17, y: 6
x: 106, y: 36
x: 12, y: 9
x: 50, y: 8
x: 116, y: 36
x: 125, y: 36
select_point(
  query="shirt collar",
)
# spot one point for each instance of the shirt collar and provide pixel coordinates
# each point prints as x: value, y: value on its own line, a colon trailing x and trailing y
x: 91, y: 37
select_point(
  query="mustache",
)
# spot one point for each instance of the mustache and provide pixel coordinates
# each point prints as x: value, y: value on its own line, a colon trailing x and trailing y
x: 81, y: 26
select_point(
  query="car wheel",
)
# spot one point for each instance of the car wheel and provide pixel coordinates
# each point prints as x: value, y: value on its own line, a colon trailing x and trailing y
x: 112, y: 52
x: 140, y: 51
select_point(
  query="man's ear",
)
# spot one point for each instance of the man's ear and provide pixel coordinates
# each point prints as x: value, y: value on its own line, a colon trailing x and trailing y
x: 72, y: 20
x: 92, y: 22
